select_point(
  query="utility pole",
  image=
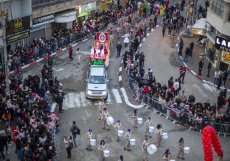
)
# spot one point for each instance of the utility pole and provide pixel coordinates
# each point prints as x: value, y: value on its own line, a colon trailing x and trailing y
x: 4, y: 49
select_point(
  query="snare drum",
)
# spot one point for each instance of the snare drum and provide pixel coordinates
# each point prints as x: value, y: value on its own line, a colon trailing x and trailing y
x: 139, y: 120
x: 106, y: 153
x: 132, y: 141
x: 151, y: 129
x: 186, y: 149
x: 165, y: 136
x: 92, y: 142
x: 120, y: 133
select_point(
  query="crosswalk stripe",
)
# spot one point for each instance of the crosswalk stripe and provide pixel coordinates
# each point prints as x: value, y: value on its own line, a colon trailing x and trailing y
x: 116, y: 95
x: 77, y: 100
x: 109, y: 101
x: 69, y: 101
x: 82, y: 96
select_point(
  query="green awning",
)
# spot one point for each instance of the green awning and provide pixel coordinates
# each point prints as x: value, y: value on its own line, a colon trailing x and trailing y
x: 83, y: 14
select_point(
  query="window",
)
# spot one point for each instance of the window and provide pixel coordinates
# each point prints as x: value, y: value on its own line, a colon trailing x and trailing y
x: 217, y: 7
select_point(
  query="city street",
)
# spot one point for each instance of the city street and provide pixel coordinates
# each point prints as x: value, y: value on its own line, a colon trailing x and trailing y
x: 85, y: 112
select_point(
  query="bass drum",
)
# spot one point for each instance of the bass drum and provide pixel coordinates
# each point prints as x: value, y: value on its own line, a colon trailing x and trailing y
x: 109, y: 120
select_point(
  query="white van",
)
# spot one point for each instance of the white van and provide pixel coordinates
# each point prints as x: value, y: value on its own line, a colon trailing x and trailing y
x: 96, y: 83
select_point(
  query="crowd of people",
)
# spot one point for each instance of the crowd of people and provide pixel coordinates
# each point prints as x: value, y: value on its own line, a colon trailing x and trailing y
x: 27, y: 117
x: 170, y: 95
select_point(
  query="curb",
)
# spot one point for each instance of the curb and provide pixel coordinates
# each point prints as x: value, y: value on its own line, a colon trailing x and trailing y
x: 58, y: 51
x: 190, y: 68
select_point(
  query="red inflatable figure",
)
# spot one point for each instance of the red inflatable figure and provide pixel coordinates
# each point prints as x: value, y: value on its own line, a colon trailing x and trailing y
x: 209, y: 139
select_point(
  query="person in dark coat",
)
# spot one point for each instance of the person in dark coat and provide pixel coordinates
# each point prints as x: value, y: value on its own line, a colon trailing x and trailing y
x: 191, y: 46
x: 225, y: 76
x: 70, y: 52
x: 209, y: 68
x: 119, y: 47
x: 201, y: 65
x: 59, y: 100
x: 187, y: 54
x: 181, y: 46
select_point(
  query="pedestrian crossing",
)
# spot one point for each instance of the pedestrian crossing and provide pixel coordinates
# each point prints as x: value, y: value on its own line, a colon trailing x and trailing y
x: 78, y: 99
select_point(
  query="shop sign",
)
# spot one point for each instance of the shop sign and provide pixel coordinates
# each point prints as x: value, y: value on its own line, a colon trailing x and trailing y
x: 17, y: 29
x: 43, y: 20
x: 87, y: 7
x: 222, y: 43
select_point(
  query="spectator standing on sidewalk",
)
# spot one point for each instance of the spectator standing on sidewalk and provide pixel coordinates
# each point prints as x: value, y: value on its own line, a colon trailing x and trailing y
x: 78, y: 56
x: 209, y: 68
x: 163, y: 30
x: 181, y: 46
x: 182, y: 73
x: 191, y: 46
x: 225, y: 76
x: 187, y: 54
x: 201, y: 65
x: 119, y: 47
x: 59, y: 100
x: 70, y: 52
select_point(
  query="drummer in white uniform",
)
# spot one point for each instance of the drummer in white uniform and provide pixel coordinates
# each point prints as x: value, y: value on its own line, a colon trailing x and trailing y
x: 127, y: 136
x: 148, y: 123
x: 118, y: 126
x: 102, y: 147
x: 105, y: 115
x: 144, y: 149
x: 100, y: 109
x: 135, y: 116
x: 89, y: 136
x: 158, y: 132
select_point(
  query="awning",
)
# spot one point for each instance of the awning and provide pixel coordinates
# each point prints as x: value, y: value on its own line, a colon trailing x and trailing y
x: 65, y: 17
x: 199, y: 27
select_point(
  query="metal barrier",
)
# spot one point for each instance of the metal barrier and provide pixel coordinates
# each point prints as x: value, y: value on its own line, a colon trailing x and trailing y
x: 182, y: 116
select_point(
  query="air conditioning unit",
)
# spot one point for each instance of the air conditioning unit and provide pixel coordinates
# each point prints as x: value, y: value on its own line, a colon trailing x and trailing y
x: 208, y: 27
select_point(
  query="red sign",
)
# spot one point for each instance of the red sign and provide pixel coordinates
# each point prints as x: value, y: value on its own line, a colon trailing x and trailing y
x: 102, y: 36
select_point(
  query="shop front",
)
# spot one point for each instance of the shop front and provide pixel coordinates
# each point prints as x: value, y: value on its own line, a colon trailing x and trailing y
x: 84, y: 11
x: 222, y: 44
x: 64, y: 19
x: 42, y: 26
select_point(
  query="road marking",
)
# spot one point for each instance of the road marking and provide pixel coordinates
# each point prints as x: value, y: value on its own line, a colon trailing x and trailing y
x: 178, y: 38
x: 58, y: 70
x: 143, y: 39
x: 157, y: 25
x: 77, y: 100
x: 116, y: 95
x: 147, y: 34
x: 109, y: 101
x: 83, y: 99
x: 209, y: 87
x: 69, y: 102
x: 200, y: 90
x: 120, y: 78
x: 176, y: 45
x: 127, y: 100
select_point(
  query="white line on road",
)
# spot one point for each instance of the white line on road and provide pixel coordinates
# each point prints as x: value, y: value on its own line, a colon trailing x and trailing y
x: 127, y: 100
x: 144, y: 39
x: 120, y: 69
x: 208, y: 87
x: 200, y: 90
x: 69, y: 101
x: 147, y: 34
x: 117, y: 95
x: 77, y: 100
x: 157, y: 25
x: 58, y: 70
x: 193, y: 72
x: 109, y: 101
x: 176, y: 45
x: 83, y: 100
x: 178, y: 38
x: 120, y: 78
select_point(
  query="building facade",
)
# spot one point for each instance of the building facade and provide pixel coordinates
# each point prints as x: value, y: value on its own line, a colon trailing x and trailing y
x: 218, y: 23
x: 49, y: 15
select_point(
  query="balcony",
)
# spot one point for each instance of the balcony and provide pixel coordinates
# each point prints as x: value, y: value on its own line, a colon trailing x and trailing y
x: 46, y: 7
x: 46, y: 3
x: 218, y: 23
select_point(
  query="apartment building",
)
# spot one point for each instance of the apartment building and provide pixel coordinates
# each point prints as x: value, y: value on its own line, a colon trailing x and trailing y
x: 218, y: 24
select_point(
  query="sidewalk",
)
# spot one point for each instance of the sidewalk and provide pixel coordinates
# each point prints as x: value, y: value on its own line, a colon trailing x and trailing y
x: 193, y: 62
